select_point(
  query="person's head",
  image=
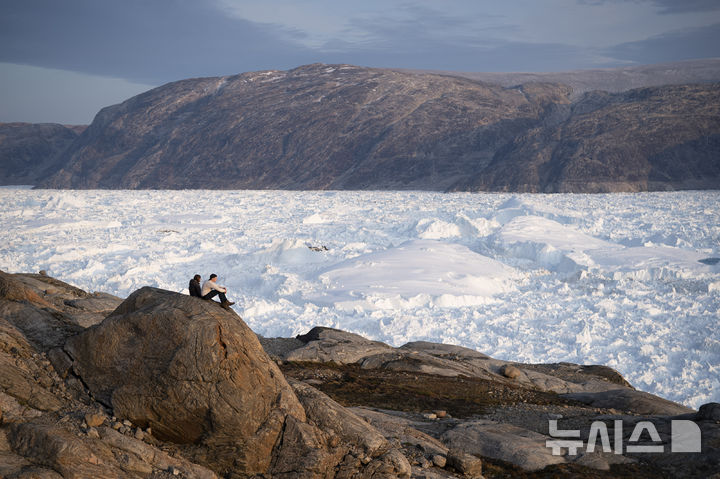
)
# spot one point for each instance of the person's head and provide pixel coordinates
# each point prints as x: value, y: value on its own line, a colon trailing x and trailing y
x: 197, y: 277
x: 213, y: 277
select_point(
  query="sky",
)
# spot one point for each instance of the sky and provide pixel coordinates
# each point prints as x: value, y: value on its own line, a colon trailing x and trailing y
x: 63, y: 60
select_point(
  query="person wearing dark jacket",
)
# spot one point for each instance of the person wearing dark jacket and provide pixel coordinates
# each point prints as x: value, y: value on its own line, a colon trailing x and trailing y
x: 194, y: 286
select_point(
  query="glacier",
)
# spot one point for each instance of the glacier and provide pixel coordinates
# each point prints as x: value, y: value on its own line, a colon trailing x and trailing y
x: 626, y: 280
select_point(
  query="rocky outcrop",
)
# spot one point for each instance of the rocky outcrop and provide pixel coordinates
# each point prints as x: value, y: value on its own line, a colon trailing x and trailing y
x: 328, y: 344
x: 323, y: 344
x: 109, y: 455
x: 34, y: 319
x: 46, y: 310
x: 191, y: 371
x: 512, y: 406
x: 197, y: 376
x: 173, y: 386
x: 630, y: 400
x: 28, y: 151
x: 347, y: 127
x: 162, y: 373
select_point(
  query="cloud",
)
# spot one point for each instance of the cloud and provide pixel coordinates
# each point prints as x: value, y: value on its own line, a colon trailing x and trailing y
x: 419, y: 37
x: 165, y: 40
x: 667, y: 6
x: 142, y: 41
x: 701, y: 42
x: 685, y: 6
x: 153, y: 42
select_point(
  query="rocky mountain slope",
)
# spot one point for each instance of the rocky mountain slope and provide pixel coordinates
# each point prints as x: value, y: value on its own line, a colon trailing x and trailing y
x: 614, y: 80
x: 164, y: 385
x: 658, y: 138
x: 28, y: 151
x: 346, y: 127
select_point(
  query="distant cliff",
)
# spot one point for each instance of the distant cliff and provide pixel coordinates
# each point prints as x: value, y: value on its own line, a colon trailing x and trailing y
x: 346, y: 127
x: 28, y: 151
x: 660, y: 138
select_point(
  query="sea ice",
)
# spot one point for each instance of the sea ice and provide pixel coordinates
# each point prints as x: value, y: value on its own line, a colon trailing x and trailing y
x: 619, y: 279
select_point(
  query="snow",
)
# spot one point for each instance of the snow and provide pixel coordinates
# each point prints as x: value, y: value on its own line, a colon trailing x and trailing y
x: 623, y: 280
x: 420, y: 271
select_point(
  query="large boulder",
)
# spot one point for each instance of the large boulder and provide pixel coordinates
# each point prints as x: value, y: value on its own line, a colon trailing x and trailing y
x: 322, y: 344
x: 194, y: 373
x: 26, y: 308
x: 48, y: 311
x: 509, y: 443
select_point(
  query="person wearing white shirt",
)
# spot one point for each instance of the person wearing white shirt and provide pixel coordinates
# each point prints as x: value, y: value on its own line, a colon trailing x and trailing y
x: 210, y: 289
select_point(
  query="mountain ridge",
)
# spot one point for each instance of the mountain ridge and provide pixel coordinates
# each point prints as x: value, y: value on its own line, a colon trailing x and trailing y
x: 341, y: 127
x: 613, y: 80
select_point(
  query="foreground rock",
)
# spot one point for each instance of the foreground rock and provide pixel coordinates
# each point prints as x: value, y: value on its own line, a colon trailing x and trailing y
x: 42, y: 429
x: 435, y: 399
x: 197, y: 376
x: 192, y: 372
x: 34, y: 319
x: 173, y: 386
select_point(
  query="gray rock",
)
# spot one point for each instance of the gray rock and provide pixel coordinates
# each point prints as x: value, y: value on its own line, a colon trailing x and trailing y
x: 26, y: 306
x: 446, y: 351
x: 278, y: 348
x: 25, y: 384
x: 332, y: 345
x: 61, y: 362
x: 637, y: 402
x: 92, y: 309
x: 401, y: 428
x: 524, y: 448
x: 96, y: 302
x: 42, y: 326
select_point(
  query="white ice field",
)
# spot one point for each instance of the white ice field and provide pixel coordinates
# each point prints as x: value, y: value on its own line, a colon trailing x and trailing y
x: 621, y: 279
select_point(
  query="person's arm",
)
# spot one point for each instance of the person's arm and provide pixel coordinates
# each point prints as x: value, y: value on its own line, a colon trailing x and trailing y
x: 217, y: 287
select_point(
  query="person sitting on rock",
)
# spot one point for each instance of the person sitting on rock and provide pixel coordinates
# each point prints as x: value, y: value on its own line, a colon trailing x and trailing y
x: 194, y: 286
x: 210, y: 289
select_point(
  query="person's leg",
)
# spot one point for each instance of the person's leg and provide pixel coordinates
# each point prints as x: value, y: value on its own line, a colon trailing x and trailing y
x: 212, y: 294
x: 223, y: 298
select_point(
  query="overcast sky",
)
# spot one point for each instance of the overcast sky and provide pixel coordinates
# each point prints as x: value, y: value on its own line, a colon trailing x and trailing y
x: 62, y: 60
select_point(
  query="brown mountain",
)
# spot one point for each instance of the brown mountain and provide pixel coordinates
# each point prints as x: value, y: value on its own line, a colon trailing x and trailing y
x: 661, y: 138
x: 346, y: 127
x: 28, y: 151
